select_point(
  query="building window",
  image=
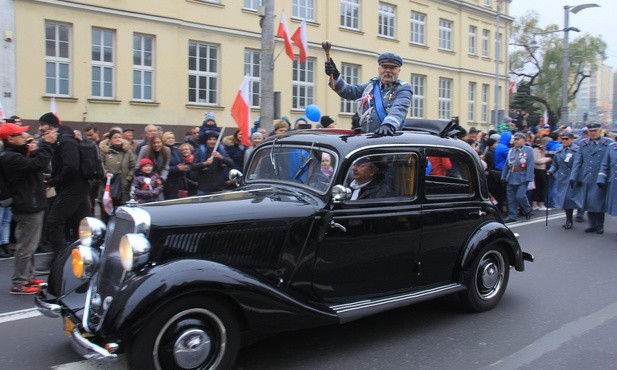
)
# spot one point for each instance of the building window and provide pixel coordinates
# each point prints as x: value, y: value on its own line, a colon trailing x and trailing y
x: 303, y: 9
x: 485, y: 90
x: 417, y: 101
x: 445, y: 98
x: 351, y: 74
x: 472, y: 40
x: 103, y: 67
x: 497, y: 46
x: 143, y: 67
x: 418, y: 26
x: 252, y: 68
x: 203, y: 73
x: 57, y: 59
x: 485, y: 37
x: 252, y: 4
x: 387, y: 17
x: 303, y: 85
x: 445, y: 34
x: 350, y: 14
x: 471, y: 102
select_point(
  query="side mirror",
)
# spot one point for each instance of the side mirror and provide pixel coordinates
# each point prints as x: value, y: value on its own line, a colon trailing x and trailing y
x: 340, y: 193
x: 235, y: 175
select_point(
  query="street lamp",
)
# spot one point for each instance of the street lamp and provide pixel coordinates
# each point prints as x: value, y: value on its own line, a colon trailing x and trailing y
x: 566, y: 56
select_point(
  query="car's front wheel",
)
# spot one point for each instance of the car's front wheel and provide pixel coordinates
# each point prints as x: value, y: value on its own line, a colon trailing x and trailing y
x: 190, y: 333
x: 487, y: 279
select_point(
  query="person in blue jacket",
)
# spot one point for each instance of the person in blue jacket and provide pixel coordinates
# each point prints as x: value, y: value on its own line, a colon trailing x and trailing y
x: 518, y: 172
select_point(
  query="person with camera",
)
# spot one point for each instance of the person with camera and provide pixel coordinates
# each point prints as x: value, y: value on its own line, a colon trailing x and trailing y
x: 385, y: 100
x: 22, y: 165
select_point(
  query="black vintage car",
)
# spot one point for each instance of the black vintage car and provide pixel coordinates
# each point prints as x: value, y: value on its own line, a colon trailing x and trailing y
x: 303, y: 241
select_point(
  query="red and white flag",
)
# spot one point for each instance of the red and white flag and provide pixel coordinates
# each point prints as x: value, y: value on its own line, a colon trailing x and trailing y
x: 299, y: 38
x: 284, y: 34
x: 544, y: 119
x: 108, y: 204
x: 512, y: 87
x: 241, y: 111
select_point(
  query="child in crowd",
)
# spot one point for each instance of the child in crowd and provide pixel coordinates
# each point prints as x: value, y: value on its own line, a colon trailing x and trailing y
x: 147, y: 185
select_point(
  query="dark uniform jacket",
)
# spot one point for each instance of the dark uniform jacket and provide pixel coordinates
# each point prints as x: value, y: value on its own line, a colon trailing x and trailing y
x: 65, y: 174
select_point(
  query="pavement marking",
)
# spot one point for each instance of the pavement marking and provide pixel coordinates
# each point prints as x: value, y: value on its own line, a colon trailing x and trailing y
x: 91, y: 365
x: 555, y: 339
x: 19, y: 315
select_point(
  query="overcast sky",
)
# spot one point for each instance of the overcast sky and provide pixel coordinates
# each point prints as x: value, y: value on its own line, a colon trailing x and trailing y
x: 600, y: 21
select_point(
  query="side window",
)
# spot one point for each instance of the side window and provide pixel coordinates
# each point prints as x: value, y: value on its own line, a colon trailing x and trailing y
x: 383, y: 176
x: 447, y: 175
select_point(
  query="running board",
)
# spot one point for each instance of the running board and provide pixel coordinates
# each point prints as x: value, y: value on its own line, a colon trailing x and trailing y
x: 357, y: 310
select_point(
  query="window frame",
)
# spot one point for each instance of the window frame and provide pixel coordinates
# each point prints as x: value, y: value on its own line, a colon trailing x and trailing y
x: 471, y: 101
x: 252, y: 4
x: 485, y: 96
x: 350, y: 73
x: 250, y: 67
x: 473, y: 40
x: 350, y: 14
x: 444, y: 110
x: 418, y: 28
x: 209, y: 76
x: 305, y: 84
x: 143, y: 69
x: 386, y: 20
x: 106, y: 68
x: 486, y: 36
x: 60, y: 80
x: 303, y: 9
x: 446, y: 34
x: 418, y: 100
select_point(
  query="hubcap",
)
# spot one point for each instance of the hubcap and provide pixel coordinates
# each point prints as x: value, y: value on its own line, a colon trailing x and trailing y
x: 192, y: 348
x: 490, y: 275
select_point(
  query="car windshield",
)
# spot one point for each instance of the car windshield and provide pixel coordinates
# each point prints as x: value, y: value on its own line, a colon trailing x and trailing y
x: 310, y: 166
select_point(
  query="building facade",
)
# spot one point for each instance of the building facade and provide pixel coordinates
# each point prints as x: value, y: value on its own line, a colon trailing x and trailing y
x: 594, y: 100
x: 168, y: 62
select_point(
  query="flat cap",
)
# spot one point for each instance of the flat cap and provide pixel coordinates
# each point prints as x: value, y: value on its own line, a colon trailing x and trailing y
x: 390, y: 58
x: 473, y: 129
x: 519, y: 135
x: 594, y: 125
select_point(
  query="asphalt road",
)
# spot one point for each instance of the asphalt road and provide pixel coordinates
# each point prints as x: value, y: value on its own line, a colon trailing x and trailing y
x: 561, y: 313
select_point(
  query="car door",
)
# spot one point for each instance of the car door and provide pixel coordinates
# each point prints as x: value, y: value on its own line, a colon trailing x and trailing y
x: 371, y: 245
x: 451, y: 212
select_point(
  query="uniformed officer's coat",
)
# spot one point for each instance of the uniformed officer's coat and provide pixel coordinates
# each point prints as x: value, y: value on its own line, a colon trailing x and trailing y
x: 561, y: 168
x: 396, y: 102
x: 608, y: 176
x: 585, y: 170
x: 519, y: 166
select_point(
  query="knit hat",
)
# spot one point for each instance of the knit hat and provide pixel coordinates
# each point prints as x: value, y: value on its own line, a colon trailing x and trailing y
x: 326, y: 121
x: 256, y: 135
x: 50, y: 119
x: 209, y: 116
x: 113, y: 132
x: 145, y: 161
x: 495, y: 137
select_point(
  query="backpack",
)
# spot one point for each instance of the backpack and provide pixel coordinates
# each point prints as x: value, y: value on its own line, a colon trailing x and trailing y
x: 6, y: 196
x: 90, y: 164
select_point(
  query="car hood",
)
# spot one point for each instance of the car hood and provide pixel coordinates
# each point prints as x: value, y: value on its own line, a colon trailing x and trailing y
x: 238, y: 206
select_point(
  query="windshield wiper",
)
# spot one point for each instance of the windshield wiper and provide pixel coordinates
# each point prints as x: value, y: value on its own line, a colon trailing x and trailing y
x: 305, y: 164
x: 273, y: 160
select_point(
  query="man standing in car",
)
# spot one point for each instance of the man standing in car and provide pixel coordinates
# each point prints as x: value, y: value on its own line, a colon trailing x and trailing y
x: 385, y: 99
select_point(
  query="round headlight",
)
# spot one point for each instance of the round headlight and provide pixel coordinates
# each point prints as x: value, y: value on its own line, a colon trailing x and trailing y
x: 83, y: 261
x: 134, y: 250
x: 91, y: 230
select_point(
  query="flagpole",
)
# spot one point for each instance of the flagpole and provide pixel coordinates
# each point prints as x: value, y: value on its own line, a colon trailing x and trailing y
x: 280, y: 51
x: 218, y: 139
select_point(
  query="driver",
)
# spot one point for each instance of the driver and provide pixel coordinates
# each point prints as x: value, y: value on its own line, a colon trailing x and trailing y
x: 368, y: 181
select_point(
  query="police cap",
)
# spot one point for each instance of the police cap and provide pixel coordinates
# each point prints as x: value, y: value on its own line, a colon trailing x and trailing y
x: 594, y: 125
x: 390, y: 58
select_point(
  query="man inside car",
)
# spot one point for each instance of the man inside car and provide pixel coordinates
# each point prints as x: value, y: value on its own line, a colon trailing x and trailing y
x: 368, y: 180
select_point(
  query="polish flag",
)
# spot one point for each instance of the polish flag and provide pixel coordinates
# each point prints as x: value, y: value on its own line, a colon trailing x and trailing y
x: 512, y: 87
x: 241, y: 111
x: 108, y: 204
x: 544, y: 119
x: 299, y: 38
x: 284, y: 34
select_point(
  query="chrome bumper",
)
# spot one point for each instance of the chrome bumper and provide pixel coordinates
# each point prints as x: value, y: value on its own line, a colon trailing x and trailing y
x: 89, y: 350
x: 47, y: 306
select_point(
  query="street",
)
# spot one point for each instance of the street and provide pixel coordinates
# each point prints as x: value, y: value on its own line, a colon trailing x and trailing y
x: 558, y: 314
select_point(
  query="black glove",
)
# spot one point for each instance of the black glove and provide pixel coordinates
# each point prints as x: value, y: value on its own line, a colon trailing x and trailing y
x: 331, y: 69
x: 385, y: 129
x: 601, y: 185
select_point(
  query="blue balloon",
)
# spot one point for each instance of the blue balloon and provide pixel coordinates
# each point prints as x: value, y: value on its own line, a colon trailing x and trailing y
x: 312, y: 112
x: 429, y: 168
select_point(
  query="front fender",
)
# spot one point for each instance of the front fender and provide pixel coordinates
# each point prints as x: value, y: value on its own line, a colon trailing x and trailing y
x: 265, y: 308
x: 493, y: 233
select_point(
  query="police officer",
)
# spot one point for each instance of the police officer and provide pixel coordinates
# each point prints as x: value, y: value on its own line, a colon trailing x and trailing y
x: 585, y: 175
x: 384, y: 100
x: 518, y: 173
x: 607, y: 178
x: 566, y: 198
